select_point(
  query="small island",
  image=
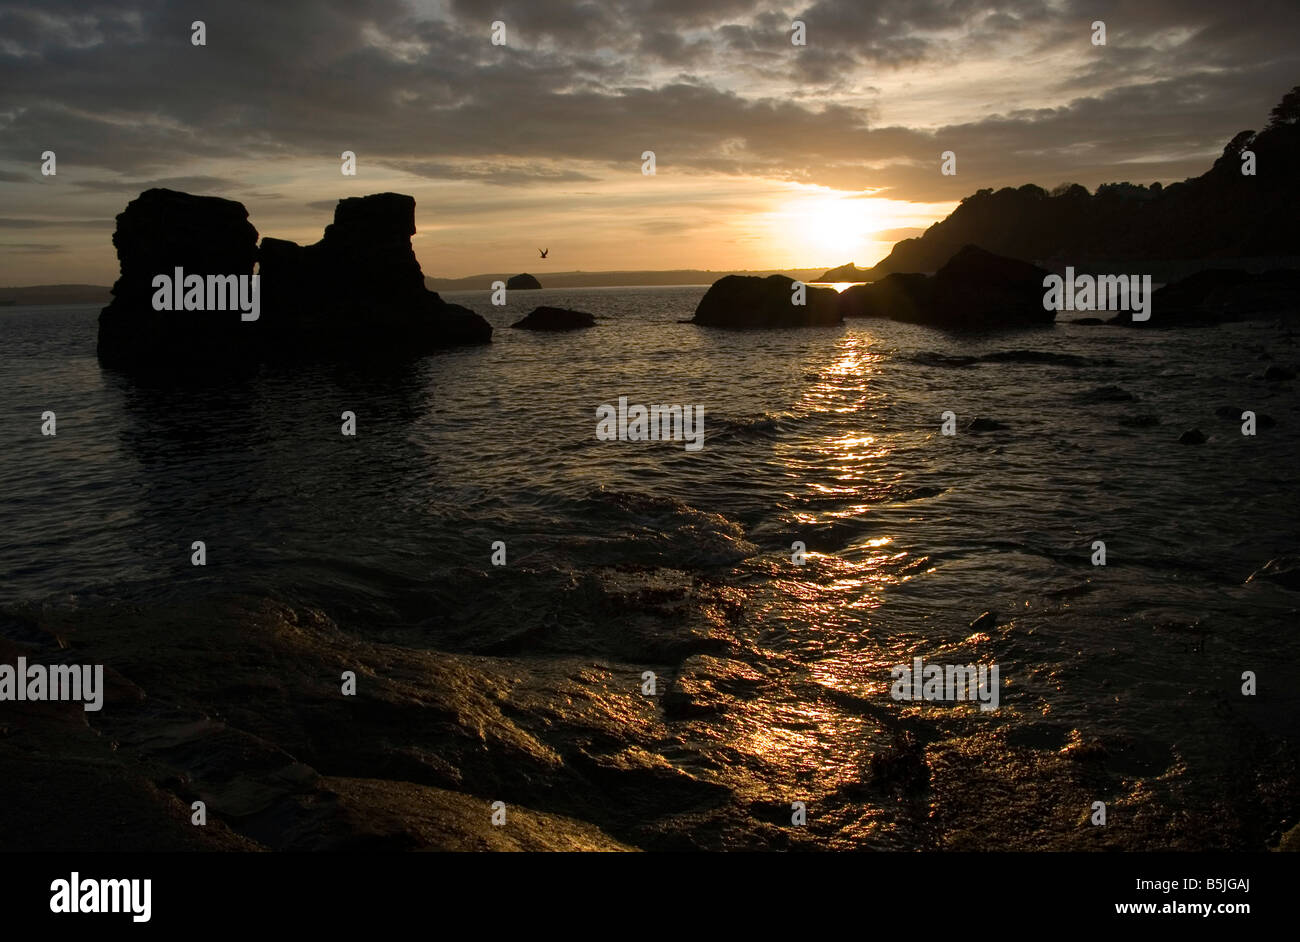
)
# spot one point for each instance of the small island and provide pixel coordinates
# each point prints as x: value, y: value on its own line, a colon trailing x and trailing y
x: 523, y: 282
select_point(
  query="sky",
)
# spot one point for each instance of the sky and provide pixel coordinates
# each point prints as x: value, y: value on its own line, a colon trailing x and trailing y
x: 768, y: 154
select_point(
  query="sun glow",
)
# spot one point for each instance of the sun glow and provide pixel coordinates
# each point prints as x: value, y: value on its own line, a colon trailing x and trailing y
x: 829, y: 227
x: 819, y: 227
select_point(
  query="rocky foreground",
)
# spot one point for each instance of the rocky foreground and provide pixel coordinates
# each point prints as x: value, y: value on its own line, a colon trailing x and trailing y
x: 238, y: 703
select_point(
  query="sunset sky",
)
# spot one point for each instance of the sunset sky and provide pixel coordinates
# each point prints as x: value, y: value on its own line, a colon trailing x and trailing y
x: 768, y: 154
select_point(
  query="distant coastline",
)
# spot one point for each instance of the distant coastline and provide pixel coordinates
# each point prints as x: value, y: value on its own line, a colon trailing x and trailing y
x: 101, y: 294
x: 55, y: 294
x: 1162, y: 271
x: 611, y: 279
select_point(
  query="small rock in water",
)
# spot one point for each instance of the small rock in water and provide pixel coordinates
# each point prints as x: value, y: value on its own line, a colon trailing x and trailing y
x: 1233, y: 414
x: 555, y: 318
x: 1193, y: 436
x: 1108, y: 394
x: 1140, y: 421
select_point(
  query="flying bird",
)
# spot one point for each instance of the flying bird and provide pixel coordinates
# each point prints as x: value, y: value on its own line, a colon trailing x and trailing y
x: 543, y: 251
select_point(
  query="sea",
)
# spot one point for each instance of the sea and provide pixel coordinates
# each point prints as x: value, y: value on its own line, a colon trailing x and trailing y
x: 661, y: 648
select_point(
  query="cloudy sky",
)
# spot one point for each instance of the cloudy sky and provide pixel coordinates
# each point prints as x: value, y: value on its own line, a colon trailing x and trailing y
x: 767, y: 154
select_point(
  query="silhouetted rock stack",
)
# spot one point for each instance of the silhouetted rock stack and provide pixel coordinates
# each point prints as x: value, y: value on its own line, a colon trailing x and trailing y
x: 524, y: 282
x: 974, y: 290
x: 555, y: 318
x: 158, y: 232
x: 358, y: 291
x: 359, y: 288
x: 748, y: 301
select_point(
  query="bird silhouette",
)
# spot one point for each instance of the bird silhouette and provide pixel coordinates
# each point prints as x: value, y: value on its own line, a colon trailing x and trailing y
x: 544, y: 252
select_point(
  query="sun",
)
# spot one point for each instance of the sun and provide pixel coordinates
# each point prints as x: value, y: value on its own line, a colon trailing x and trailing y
x: 827, y: 229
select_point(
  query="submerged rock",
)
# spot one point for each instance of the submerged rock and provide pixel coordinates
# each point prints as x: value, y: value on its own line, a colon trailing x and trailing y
x: 1108, y: 394
x: 524, y: 282
x: 1284, y: 570
x: 981, y: 424
x: 1145, y: 420
x: 555, y: 318
x: 746, y: 301
x: 1192, y: 436
x: 359, y: 290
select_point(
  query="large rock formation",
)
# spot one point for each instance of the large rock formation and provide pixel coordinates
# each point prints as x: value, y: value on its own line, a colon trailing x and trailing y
x: 748, y: 301
x: 1217, y: 295
x: 974, y: 290
x: 357, y: 291
x: 523, y: 282
x: 555, y: 318
x: 900, y: 297
x: 978, y: 289
x: 360, y: 287
x: 158, y: 232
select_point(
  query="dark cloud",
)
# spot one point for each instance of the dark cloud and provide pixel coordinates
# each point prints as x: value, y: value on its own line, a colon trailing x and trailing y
x: 498, y: 174
x: 116, y: 88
